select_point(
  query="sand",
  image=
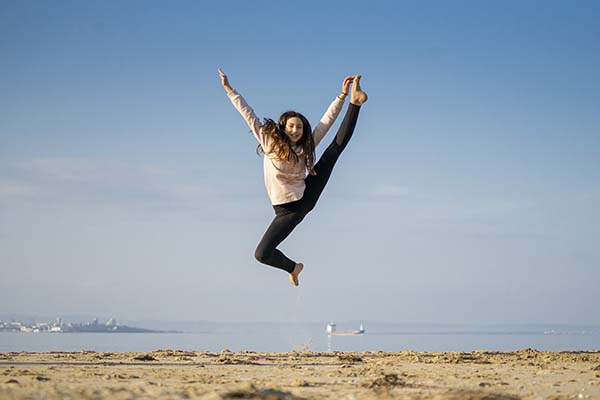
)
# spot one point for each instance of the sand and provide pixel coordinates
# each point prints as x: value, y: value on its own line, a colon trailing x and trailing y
x: 176, y: 374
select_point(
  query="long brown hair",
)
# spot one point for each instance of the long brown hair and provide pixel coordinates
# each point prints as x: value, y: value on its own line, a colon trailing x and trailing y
x: 280, y: 143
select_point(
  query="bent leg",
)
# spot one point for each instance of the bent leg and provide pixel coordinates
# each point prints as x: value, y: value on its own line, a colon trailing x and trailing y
x: 316, y: 183
x: 280, y: 228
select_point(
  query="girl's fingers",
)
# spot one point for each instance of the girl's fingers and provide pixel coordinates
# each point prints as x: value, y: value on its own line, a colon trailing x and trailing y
x: 347, y: 82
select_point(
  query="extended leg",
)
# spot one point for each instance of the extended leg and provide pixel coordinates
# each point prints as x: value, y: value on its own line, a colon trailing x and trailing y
x: 316, y: 183
x: 357, y: 99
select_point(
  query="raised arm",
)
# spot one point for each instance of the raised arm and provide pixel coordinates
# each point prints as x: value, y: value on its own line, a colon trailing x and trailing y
x: 332, y: 112
x: 244, y: 109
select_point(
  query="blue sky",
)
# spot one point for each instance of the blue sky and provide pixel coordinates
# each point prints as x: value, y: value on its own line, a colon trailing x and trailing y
x: 129, y: 185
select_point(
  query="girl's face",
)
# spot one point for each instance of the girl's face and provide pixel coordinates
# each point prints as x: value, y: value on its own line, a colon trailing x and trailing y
x: 294, y: 129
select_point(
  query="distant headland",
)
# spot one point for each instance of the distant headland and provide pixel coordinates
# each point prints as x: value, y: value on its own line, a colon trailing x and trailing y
x: 58, y: 326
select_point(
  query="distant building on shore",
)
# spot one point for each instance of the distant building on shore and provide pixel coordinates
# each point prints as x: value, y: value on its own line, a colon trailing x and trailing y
x: 60, y: 327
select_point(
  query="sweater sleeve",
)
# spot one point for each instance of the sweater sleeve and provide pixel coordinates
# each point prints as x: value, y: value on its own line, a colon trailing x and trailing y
x: 249, y: 116
x: 327, y: 120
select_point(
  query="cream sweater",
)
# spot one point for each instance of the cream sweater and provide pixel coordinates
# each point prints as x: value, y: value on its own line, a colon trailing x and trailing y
x: 284, y: 179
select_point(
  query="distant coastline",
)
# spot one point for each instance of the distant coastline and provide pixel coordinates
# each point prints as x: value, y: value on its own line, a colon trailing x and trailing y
x: 58, y: 326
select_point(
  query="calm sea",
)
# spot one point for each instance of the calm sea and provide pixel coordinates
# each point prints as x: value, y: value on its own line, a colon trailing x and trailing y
x: 212, y: 336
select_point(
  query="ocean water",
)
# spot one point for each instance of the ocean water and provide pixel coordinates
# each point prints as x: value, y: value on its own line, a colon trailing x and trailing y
x: 213, y: 336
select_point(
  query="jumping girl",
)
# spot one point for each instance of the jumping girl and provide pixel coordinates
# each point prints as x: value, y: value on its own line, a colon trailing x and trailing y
x: 288, y: 149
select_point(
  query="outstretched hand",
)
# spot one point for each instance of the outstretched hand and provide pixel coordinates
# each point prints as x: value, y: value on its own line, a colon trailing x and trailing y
x: 346, y: 84
x: 225, y: 81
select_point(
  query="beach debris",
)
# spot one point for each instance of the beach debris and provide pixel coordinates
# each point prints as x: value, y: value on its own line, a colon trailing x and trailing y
x: 174, y: 353
x: 145, y: 357
x: 260, y: 358
x: 249, y: 391
x: 465, y: 394
x: 102, y: 356
x: 386, y: 381
x: 300, y: 383
x: 42, y: 378
x: 24, y: 372
x: 349, y: 358
x: 71, y: 356
x: 457, y: 358
x: 596, y: 368
x: 527, y: 353
x: 226, y: 359
x: 12, y: 381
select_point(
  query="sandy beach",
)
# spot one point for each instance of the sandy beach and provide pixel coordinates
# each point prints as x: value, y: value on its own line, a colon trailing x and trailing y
x: 176, y: 374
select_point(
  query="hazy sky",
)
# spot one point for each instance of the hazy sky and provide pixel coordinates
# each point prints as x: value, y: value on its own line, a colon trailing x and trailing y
x: 470, y: 192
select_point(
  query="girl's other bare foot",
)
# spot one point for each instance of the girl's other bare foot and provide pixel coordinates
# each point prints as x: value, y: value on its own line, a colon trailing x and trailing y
x: 357, y: 97
x: 294, y: 275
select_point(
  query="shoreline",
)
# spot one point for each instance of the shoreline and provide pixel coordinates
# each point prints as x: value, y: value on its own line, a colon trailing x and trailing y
x: 522, y: 374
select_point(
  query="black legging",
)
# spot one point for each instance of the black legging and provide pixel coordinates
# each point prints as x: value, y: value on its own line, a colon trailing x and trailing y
x: 289, y: 215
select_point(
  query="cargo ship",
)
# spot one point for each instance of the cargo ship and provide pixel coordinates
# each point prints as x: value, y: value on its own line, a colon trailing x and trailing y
x: 332, y: 331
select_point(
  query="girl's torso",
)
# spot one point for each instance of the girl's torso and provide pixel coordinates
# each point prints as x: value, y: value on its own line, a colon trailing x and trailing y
x: 284, y: 179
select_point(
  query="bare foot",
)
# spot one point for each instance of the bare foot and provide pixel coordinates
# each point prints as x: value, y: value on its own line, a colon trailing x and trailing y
x: 294, y: 275
x: 357, y: 96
